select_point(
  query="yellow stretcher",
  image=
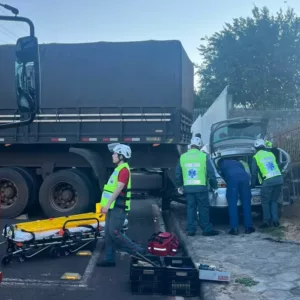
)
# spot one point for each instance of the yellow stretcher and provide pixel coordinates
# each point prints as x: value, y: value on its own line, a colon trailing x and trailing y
x: 59, y: 236
x: 59, y: 223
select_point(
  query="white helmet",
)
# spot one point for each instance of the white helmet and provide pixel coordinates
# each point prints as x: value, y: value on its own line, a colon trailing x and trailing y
x: 196, y: 141
x: 259, y: 143
x: 122, y: 149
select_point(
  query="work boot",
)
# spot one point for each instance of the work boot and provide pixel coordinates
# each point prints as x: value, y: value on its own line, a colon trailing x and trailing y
x: 276, y: 224
x: 233, y: 231
x: 106, y: 264
x: 211, y: 233
x: 249, y: 230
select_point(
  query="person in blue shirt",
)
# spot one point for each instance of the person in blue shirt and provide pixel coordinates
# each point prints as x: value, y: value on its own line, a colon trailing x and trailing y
x: 238, y: 184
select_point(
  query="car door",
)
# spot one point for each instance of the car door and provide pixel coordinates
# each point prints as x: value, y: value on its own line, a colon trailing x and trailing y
x: 283, y: 159
x: 284, y: 162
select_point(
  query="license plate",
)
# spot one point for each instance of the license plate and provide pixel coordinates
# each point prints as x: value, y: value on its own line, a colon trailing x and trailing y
x: 256, y: 200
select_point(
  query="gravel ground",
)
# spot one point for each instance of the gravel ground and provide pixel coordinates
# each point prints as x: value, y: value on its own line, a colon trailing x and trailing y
x: 263, y: 265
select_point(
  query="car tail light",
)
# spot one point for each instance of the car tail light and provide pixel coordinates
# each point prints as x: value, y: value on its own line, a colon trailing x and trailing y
x: 221, y: 183
x: 1, y: 276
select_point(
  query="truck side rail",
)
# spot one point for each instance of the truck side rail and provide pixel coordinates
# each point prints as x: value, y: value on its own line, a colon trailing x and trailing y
x: 101, y: 125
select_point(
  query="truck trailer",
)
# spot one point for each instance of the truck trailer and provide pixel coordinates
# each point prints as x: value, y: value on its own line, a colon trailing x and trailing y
x: 94, y: 94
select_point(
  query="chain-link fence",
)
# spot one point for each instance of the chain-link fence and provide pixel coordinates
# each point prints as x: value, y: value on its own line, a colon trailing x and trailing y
x: 292, y: 184
x: 289, y: 141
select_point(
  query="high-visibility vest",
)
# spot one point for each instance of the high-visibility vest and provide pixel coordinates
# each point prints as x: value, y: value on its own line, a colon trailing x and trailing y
x: 193, y: 165
x: 111, y: 186
x: 267, y: 165
x: 246, y: 166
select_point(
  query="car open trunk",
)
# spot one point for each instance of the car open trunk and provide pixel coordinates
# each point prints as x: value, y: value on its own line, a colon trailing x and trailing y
x: 235, y: 138
x: 242, y: 157
x: 246, y: 156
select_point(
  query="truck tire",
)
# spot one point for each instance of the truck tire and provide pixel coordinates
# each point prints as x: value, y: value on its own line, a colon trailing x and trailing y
x: 165, y: 203
x: 64, y: 193
x: 32, y: 184
x: 14, y: 192
x: 93, y: 189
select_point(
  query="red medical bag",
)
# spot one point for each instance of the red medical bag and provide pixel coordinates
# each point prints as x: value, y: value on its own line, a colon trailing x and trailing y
x: 163, y: 244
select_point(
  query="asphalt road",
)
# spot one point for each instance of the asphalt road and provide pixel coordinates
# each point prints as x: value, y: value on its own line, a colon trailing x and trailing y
x: 39, y: 278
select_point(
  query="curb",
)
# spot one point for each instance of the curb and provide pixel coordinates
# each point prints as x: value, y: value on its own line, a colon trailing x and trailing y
x: 160, y: 225
x: 206, y: 288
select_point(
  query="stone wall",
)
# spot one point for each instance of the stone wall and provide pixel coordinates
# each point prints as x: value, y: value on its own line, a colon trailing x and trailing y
x: 283, y: 128
x: 279, y: 121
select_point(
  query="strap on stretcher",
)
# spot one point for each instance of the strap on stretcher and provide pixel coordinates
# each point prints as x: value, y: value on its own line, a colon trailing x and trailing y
x: 32, y: 234
x: 86, y: 219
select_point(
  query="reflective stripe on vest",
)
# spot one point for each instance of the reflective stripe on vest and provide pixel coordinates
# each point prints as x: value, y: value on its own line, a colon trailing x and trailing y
x: 267, y: 165
x: 193, y: 165
x: 111, y: 186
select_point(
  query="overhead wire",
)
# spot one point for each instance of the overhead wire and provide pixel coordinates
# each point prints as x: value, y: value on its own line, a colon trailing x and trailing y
x: 7, y: 32
x: 16, y: 23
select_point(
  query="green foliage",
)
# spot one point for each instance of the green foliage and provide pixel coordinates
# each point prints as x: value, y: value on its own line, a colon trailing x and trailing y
x: 246, y: 281
x: 258, y: 57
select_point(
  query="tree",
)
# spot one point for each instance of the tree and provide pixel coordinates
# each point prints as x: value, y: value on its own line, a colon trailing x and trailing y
x: 258, y: 57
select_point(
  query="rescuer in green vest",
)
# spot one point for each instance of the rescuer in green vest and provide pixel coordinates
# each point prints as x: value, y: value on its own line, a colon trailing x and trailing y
x: 265, y: 167
x: 115, y: 203
x: 192, y: 171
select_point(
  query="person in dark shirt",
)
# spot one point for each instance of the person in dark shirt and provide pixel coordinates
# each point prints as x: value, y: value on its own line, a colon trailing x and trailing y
x: 238, y: 184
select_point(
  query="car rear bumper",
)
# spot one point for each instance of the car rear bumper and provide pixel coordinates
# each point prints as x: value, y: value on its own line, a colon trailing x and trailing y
x: 221, y: 201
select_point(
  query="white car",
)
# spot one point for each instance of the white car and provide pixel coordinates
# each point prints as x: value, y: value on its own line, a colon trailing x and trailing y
x: 235, y: 138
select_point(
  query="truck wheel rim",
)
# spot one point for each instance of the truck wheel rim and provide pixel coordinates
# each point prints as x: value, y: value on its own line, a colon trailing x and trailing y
x: 8, y: 193
x: 63, y: 196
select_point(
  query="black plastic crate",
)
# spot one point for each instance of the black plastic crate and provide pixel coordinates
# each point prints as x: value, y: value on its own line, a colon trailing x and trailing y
x: 146, y: 280
x: 146, y: 287
x: 146, y: 273
x: 181, y: 277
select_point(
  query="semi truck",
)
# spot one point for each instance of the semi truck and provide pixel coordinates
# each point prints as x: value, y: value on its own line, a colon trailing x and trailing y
x: 92, y: 95
x: 27, y: 94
